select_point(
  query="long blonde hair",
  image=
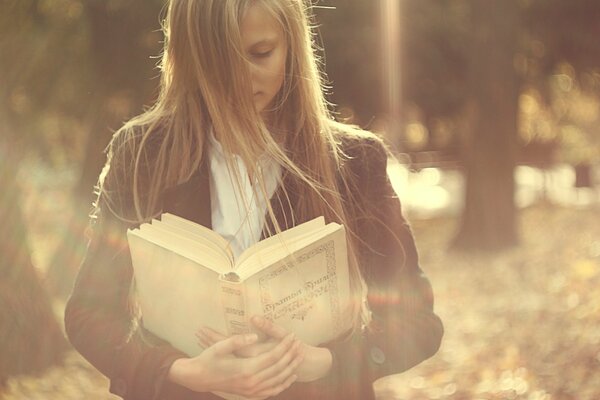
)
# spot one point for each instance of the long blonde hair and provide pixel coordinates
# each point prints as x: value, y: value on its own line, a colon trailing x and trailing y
x: 205, y: 85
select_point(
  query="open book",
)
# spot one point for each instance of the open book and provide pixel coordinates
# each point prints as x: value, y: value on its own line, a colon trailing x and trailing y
x: 186, y: 277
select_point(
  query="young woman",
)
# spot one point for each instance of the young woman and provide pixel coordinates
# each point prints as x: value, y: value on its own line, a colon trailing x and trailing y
x: 241, y: 140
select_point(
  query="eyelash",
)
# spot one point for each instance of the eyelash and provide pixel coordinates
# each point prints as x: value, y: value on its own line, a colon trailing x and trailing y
x: 263, y: 55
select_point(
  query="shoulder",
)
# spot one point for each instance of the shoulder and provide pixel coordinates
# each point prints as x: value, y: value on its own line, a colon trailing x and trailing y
x: 362, y: 151
x: 133, y: 148
x: 130, y: 163
x: 132, y: 141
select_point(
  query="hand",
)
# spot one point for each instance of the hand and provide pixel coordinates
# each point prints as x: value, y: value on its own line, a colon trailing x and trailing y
x: 208, y: 337
x: 218, y: 369
x: 316, y: 361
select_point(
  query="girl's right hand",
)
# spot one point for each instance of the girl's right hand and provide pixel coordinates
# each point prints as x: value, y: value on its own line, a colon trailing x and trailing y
x: 217, y: 369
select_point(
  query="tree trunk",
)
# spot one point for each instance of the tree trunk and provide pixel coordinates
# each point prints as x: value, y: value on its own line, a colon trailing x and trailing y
x: 30, y: 337
x: 120, y: 47
x: 489, y: 217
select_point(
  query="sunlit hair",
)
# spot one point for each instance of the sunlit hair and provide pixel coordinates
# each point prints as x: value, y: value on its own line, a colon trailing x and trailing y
x: 205, y: 84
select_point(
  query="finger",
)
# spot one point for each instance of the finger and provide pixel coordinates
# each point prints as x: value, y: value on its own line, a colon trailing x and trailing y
x: 203, y: 339
x: 234, y: 343
x: 279, y: 388
x: 256, y: 349
x: 269, y: 327
x: 257, y: 374
x: 212, y: 334
x: 273, y: 356
x: 210, y: 337
x: 273, y: 362
x: 284, y: 372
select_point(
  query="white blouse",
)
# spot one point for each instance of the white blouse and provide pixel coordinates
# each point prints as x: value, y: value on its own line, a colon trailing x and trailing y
x: 238, y: 217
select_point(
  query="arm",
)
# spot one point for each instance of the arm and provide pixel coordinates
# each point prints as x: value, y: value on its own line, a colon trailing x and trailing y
x: 98, y: 317
x: 404, y: 329
x: 101, y: 324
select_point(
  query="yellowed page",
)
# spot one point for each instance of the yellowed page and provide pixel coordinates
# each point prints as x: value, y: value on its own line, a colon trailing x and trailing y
x: 307, y: 293
x: 176, y: 295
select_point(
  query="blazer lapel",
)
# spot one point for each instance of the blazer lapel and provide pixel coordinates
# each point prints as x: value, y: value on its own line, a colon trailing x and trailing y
x: 191, y: 199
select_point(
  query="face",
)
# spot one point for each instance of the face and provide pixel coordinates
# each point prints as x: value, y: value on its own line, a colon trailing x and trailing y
x: 266, y: 49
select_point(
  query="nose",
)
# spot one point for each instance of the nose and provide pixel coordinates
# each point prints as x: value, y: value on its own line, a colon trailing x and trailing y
x: 254, y: 78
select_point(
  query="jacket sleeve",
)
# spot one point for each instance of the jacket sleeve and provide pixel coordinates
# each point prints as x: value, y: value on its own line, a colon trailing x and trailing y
x: 404, y: 330
x: 98, y: 318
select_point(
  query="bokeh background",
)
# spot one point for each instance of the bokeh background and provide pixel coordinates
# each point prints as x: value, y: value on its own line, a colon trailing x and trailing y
x: 492, y: 108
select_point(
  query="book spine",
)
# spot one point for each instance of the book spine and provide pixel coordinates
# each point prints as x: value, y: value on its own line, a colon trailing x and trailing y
x: 233, y: 300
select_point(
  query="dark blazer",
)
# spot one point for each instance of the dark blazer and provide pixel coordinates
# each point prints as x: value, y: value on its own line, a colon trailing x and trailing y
x: 404, y: 331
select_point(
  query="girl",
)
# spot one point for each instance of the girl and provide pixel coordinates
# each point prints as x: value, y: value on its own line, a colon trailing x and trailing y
x: 241, y: 140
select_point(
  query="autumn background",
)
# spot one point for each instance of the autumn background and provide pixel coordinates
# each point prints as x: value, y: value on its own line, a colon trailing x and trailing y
x: 492, y: 108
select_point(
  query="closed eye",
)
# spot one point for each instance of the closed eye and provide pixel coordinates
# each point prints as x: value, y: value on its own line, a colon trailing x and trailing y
x: 262, y: 54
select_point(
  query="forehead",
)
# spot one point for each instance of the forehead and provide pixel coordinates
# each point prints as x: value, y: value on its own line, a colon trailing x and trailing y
x: 258, y: 24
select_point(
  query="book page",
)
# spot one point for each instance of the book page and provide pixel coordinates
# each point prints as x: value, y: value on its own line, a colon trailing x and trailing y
x: 184, y: 246
x: 308, y: 292
x: 176, y: 295
x: 198, y: 230
x: 280, y: 239
x: 282, y: 248
x: 192, y: 245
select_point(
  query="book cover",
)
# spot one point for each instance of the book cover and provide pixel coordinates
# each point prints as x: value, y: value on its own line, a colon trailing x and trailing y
x: 186, y: 278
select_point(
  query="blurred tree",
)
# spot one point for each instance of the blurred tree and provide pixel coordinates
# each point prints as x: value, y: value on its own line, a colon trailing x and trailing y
x: 351, y: 37
x: 436, y: 48
x: 437, y: 37
x: 553, y: 46
x: 30, y: 337
x: 489, y: 214
x: 42, y: 71
x: 123, y: 35
x: 556, y: 32
x: 561, y: 57
x: 72, y: 72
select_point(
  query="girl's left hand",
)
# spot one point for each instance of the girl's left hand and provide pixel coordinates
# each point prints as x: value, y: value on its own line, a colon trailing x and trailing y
x: 316, y: 362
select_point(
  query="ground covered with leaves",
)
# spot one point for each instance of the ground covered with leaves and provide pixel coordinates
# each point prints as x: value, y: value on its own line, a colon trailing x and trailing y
x: 522, y: 324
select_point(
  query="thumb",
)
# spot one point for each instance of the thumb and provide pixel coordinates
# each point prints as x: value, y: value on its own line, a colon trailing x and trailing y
x: 234, y: 343
x: 268, y: 327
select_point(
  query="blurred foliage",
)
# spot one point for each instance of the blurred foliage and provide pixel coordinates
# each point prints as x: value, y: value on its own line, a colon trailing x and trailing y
x: 44, y: 69
x: 30, y: 337
x: 351, y: 35
x: 64, y: 60
x: 522, y: 324
x: 557, y: 62
x: 58, y: 74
